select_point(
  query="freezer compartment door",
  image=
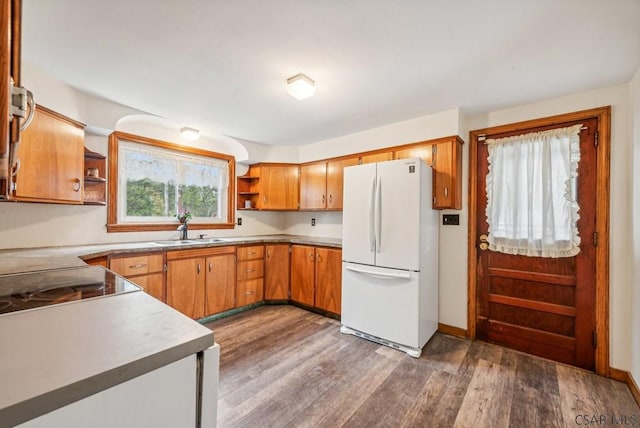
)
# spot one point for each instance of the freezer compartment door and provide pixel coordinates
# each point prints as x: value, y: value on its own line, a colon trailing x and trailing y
x: 358, y: 234
x: 382, y: 302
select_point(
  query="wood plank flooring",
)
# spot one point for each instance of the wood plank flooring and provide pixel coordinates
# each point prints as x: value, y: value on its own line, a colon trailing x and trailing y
x: 282, y: 366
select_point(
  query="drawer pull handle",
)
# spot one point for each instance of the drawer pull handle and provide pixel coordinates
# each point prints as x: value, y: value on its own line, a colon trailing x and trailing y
x: 138, y: 266
x: 210, y: 267
x: 250, y: 270
x: 249, y: 292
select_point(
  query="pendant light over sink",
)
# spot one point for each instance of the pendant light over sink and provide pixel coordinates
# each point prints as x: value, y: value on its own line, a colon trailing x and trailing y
x: 300, y: 86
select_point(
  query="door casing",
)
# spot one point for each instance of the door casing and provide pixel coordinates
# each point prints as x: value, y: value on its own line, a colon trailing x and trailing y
x: 603, y: 116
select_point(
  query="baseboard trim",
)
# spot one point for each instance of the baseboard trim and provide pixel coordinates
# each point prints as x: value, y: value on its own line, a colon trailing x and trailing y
x: 452, y: 331
x: 626, y: 377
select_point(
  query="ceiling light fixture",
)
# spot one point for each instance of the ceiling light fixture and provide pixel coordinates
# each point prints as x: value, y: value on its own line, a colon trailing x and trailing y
x: 191, y: 134
x: 300, y: 86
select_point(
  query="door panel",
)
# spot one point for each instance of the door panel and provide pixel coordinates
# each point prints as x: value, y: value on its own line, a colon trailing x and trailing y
x: 303, y: 274
x: 400, y: 185
x: 219, y: 284
x: 544, y: 306
x: 357, y: 223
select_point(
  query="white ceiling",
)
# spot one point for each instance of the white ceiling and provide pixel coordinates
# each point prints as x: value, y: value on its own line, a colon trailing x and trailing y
x: 221, y: 66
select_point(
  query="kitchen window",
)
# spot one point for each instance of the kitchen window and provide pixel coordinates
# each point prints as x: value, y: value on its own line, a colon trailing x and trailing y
x: 150, y: 181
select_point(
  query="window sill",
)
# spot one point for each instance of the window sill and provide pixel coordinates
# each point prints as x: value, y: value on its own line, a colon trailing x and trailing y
x: 149, y: 227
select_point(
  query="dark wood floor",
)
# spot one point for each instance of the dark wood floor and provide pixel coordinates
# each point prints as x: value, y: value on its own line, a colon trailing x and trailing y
x: 282, y: 366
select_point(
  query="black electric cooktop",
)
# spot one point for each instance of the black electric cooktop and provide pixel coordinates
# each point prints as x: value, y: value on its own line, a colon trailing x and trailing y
x: 40, y: 289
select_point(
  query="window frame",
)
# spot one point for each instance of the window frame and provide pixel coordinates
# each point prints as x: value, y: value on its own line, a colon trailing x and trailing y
x: 113, y: 224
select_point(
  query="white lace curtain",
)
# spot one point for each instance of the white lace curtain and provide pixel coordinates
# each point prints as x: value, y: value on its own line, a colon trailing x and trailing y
x: 532, y: 206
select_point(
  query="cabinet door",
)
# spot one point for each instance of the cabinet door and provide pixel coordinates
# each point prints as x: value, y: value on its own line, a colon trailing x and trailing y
x: 313, y: 186
x: 447, y: 179
x: 186, y: 286
x: 377, y: 157
x: 51, y: 158
x: 152, y: 284
x: 276, y: 268
x: 335, y: 181
x: 303, y: 274
x: 329, y: 279
x: 220, y: 283
x: 279, y: 187
x: 423, y: 152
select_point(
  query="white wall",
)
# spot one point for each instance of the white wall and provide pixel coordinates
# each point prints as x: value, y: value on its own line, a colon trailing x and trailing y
x: 620, y: 194
x: 634, y: 331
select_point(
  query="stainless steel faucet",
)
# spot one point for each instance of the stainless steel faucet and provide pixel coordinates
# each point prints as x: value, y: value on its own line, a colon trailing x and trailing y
x: 184, y: 228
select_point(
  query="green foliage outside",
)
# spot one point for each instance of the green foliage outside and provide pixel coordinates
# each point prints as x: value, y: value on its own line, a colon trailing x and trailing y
x: 147, y: 198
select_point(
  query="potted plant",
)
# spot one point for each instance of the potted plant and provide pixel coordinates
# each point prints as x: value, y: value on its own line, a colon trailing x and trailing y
x: 183, y: 215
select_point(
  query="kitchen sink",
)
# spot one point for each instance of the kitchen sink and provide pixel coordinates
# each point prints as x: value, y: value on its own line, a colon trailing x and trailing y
x: 169, y: 242
x: 176, y: 242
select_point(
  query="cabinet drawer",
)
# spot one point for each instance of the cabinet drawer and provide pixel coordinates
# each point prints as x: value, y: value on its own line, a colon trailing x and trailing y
x: 249, y: 292
x: 250, y: 253
x: 137, y: 265
x: 250, y: 269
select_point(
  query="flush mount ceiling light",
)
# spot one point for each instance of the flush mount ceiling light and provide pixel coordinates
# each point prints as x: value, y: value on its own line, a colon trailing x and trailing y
x: 190, y: 133
x: 300, y: 86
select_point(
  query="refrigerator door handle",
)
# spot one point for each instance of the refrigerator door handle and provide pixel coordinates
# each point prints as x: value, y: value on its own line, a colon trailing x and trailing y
x: 372, y: 233
x: 378, y: 215
x: 395, y: 274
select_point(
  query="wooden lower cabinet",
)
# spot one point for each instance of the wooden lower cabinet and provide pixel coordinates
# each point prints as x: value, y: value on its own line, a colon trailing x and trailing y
x: 145, y: 270
x: 316, y: 277
x: 250, y: 275
x: 201, y: 282
x: 220, y: 283
x: 276, y: 272
x: 329, y: 279
x: 303, y: 260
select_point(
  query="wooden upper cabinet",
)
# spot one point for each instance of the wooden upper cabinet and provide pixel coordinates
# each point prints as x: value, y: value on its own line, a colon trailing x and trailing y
x: 335, y: 178
x: 51, y: 156
x: 447, y: 177
x: 376, y: 157
x: 423, y: 152
x: 269, y: 187
x: 321, y: 184
x: 313, y: 186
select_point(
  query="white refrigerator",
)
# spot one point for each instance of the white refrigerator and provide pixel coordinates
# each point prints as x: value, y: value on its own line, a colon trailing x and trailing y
x: 390, y: 254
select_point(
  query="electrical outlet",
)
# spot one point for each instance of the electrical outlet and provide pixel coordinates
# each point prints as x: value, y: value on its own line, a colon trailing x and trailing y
x: 239, y: 221
x: 313, y: 222
x: 451, y: 219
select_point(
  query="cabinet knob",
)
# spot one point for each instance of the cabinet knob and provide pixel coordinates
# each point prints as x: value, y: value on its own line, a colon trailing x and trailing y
x: 330, y: 198
x: 77, y: 184
x: 446, y: 191
x: 210, y: 267
x: 198, y: 268
x: 323, y: 199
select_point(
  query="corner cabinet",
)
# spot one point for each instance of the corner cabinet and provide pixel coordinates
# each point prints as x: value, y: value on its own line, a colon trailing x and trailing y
x: 269, y: 186
x: 51, y: 160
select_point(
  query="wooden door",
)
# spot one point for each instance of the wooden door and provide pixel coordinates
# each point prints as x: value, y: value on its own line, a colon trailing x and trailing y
x: 329, y: 279
x: 543, y: 306
x: 220, y: 283
x: 186, y: 286
x: 51, y: 159
x: 276, y: 272
x: 303, y: 260
x: 313, y: 186
x: 335, y: 181
x: 279, y: 187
